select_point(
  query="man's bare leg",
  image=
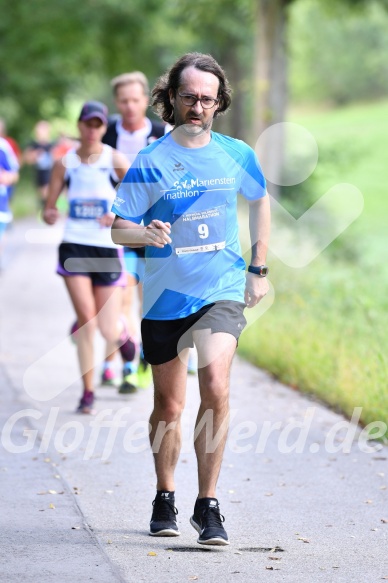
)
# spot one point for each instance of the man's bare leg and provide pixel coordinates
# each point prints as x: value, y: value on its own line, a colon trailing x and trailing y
x: 165, y: 437
x: 215, y: 354
x: 169, y: 399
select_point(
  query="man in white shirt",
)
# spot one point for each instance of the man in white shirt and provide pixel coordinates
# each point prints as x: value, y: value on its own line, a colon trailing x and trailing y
x: 129, y: 133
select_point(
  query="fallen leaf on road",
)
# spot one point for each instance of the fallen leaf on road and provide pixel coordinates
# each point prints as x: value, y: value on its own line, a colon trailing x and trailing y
x: 47, y: 460
x: 52, y: 506
x: 75, y: 528
x: 269, y: 568
x: 275, y: 558
x: 384, y: 521
x: 368, y: 501
x: 238, y: 553
x: 305, y: 540
x: 151, y: 554
x: 109, y: 541
x: 193, y: 578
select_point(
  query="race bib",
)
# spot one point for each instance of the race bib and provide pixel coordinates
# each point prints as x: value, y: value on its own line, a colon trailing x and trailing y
x: 88, y: 208
x: 199, y: 231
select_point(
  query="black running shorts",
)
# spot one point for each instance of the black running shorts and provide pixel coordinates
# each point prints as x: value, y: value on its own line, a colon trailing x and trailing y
x: 90, y: 261
x: 163, y: 339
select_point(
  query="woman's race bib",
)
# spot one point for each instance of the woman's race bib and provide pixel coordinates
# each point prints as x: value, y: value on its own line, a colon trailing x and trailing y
x: 199, y: 231
x: 88, y: 208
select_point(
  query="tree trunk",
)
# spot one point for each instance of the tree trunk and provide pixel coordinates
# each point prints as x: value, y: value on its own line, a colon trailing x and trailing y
x: 271, y: 87
x: 233, y: 123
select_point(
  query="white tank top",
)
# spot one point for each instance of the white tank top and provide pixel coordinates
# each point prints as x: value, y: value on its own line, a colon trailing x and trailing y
x: 90, y: 195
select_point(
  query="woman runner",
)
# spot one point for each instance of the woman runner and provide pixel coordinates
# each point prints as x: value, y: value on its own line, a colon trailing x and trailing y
x: 89, y: 261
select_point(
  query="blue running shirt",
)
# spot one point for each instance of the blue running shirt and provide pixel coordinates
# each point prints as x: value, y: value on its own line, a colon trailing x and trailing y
x: 8, y: 162
x: 195, y: 189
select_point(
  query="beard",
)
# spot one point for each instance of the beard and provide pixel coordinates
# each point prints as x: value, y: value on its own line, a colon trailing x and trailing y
x: 190, y: 129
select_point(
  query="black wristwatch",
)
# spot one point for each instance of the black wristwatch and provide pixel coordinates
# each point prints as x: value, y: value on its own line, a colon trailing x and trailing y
x: 261, y: 270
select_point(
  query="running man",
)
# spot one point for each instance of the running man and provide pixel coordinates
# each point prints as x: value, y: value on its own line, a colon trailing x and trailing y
x: 184, y: 188
x: 89, y: 262
x: 129, y: 134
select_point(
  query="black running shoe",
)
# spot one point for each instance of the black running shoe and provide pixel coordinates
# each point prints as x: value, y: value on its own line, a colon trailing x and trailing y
x: 163, y: 521
x: 207, y: 521
x: 129, y: 384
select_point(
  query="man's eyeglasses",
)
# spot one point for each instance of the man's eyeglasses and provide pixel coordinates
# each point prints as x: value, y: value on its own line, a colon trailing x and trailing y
x: 191, y: 100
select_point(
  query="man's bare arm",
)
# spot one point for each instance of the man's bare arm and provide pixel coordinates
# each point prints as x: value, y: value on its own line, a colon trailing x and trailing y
x: 130, y: 234
x: 259, y: 227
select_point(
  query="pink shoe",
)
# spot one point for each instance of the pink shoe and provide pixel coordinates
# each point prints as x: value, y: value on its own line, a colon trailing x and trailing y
x: 108, y: 377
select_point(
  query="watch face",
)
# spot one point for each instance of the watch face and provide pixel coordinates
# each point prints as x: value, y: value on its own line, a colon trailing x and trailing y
x: 261, y: 271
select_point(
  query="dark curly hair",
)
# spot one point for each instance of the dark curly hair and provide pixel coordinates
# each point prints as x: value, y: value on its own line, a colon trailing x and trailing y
x: 160, y: 98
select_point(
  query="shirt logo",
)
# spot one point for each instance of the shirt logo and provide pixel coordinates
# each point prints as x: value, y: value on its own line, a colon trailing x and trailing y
x: 178, y: 167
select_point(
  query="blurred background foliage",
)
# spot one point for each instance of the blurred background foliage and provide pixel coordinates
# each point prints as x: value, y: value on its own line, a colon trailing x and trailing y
x: 53, y: 53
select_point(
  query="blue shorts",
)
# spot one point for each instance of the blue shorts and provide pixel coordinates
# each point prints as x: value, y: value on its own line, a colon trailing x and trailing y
x: 134, y: 265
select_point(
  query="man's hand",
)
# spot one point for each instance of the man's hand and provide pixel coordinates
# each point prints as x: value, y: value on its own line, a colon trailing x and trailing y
x: 255, y: 289
x: 50, y: 216
x: 157, y: 234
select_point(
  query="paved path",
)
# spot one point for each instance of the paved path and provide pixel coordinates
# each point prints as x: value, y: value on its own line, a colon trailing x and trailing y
x: 75, y: 505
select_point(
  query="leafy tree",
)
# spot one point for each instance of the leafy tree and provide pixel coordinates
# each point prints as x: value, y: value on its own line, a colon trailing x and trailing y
x: 323, y: 67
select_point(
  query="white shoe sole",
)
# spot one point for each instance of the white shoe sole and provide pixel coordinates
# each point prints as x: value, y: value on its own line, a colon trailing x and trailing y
x: 220, y: 542
x: 165, y: 532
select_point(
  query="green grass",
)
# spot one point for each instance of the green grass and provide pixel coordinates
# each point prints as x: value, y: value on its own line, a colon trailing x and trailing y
x: 25, y: 201
x: 327, y: 330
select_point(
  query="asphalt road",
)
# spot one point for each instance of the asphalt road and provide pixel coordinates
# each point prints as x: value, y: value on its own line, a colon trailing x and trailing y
x: 303, y: 499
